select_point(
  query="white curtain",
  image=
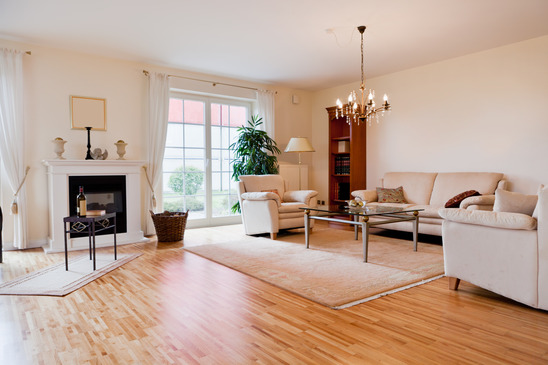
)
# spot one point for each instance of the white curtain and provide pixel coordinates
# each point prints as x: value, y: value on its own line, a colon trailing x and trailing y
x: 12, y: 138
x: 158, y: 94
x: 265, y: 109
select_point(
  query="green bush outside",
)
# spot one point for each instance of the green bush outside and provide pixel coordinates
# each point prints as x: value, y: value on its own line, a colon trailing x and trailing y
x: 186, y: 182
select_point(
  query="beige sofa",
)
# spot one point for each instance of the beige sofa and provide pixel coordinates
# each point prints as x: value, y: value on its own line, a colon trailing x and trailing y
x: 504, y: 251
x: 430, y: 191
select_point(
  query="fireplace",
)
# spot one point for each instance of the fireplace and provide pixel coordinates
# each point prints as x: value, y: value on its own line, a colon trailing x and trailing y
x: 103, y: 192
x: 109, y: 185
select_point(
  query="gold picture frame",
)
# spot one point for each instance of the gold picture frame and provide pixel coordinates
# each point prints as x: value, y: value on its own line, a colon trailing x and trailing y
x: 88, y: 112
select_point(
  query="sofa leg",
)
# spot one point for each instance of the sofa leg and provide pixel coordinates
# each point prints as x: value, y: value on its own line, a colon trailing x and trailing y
x: 273, y: 236
x: 453, y: 283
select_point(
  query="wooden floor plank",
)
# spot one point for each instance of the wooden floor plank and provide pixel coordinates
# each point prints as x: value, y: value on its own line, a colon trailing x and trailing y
x: 172, y: 307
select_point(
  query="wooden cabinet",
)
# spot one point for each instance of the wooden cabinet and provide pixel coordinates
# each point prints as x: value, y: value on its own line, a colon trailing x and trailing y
x: 347, y: 158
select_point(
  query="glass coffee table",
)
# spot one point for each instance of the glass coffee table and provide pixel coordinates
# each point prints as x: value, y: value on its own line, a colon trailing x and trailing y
x: 382, y: 215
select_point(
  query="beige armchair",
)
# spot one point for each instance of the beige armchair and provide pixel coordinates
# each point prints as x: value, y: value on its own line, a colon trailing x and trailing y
x: 267, y: 206
x: 502, y: 251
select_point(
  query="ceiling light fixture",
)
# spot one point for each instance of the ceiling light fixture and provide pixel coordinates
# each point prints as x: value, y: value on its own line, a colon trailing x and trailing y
x: 364, y: 109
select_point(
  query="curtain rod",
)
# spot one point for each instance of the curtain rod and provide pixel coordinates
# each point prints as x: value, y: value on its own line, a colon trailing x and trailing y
x: 214, y: 83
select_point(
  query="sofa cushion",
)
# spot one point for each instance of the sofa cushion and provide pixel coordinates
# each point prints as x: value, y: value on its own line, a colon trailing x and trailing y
x: 455, y: 201
x: 417, y: 186
x: 449, y: 184
x: 429, y: 211
x: 391, y: 205
x: 490, y: 218
x: 366, y: 195
x: 508, y: 201
x: 386, y: 195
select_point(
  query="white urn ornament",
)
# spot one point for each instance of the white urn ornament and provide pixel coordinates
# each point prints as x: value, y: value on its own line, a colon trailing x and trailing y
x: 121, y: 149
x: 59, y: 147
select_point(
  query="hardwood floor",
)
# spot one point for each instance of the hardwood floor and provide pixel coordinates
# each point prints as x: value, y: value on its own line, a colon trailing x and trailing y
x: 172, y: 307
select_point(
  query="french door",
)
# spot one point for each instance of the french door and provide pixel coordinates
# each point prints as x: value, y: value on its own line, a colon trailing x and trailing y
x: 197, y: 173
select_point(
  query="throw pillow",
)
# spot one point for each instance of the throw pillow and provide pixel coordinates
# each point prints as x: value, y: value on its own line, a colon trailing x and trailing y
x: 385, y: 195
x: 275, y: 191
x: 455, y: 201
x: 507, y: 201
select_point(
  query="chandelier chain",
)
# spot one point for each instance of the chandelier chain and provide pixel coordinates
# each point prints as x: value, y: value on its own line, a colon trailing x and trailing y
x: 363, y: 73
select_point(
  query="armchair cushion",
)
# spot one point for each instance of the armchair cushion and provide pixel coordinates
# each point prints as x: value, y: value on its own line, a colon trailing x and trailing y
x: 263, y: 182
x: 302, y: 196
x: 262, y: 196
x: 292, y: 208
x: 275, y: 191
x: 507, y: 201
x: 490, y: 219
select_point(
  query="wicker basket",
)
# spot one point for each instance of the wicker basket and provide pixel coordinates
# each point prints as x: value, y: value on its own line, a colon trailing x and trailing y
x: 170, y: 226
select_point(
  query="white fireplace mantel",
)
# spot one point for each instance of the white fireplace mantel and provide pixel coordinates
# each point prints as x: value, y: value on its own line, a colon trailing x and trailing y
x: 58, y: 172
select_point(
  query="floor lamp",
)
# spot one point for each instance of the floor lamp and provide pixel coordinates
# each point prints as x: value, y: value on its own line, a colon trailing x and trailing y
x: 299, y: 144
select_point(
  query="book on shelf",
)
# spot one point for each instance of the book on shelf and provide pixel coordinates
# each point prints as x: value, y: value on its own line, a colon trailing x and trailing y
x: 95, y: 213
x: 342, y: 165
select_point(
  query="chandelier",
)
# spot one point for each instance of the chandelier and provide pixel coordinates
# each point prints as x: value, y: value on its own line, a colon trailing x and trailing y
x: 362, y: 109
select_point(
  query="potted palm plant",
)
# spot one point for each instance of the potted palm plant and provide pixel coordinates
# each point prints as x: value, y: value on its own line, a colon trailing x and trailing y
x: 254, y: 153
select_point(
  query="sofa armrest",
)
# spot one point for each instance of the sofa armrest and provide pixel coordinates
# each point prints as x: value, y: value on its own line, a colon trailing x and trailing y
x: 366, y: 195
x: 480, y: 202
x: 303, y: 196
x: 489, y: 219
x: 262, y: 196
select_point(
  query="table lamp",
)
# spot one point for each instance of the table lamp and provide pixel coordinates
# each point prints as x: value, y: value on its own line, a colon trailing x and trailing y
x: 299, y: 144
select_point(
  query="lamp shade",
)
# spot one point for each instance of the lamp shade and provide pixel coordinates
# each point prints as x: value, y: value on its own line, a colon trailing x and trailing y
x: 299, y: 144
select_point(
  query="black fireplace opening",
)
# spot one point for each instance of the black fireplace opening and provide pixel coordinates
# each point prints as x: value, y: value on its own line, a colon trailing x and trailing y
x: 103, y: 192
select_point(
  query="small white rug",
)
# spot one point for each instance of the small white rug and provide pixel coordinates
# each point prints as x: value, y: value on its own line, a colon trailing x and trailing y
x: 55, y: 281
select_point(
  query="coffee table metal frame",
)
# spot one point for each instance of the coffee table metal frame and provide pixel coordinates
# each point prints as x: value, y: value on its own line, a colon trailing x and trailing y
x: 385, y: 215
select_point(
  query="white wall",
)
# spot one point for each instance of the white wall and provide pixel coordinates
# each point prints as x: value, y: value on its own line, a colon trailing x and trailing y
x: 482, y: 112
x: 52, y: 75
x: 486, y: 111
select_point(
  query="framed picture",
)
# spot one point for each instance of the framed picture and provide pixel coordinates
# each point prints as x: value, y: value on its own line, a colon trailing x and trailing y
x: 88, y: 112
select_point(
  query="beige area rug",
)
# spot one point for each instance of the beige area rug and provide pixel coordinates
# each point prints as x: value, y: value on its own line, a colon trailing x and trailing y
x: 55, y: 281
x: 332, y: 271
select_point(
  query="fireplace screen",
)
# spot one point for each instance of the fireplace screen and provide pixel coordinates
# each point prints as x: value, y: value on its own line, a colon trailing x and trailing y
x: 102, y: 192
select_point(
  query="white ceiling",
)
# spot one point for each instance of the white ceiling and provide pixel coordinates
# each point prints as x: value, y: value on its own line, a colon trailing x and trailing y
x: 280, y: 42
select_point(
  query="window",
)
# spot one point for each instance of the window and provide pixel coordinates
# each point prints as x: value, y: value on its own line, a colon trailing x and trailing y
x: 197, y: 173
